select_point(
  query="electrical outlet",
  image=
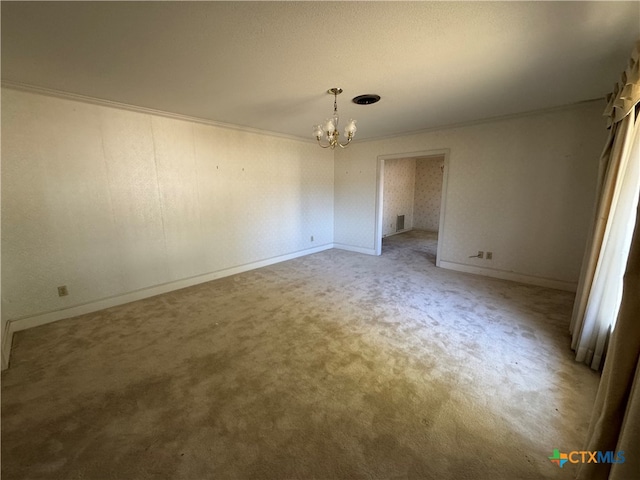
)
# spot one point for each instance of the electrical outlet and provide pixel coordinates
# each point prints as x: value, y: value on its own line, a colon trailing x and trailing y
x: 62, y: 291
x: 489, y: 255
x: 480, y: 254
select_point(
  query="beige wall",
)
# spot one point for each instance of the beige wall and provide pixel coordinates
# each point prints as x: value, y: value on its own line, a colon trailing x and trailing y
x: 112, y: 202
x: 521, y: 187
x: 428, y: 193
x: 109, y: 201
x: 399, y: 186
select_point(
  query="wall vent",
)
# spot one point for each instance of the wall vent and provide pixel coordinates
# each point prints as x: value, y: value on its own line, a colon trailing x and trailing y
x: 400, y: 223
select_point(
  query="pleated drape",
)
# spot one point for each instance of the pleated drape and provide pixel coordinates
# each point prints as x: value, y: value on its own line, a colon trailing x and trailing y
x: 615, y: 420
x: 600, y: 285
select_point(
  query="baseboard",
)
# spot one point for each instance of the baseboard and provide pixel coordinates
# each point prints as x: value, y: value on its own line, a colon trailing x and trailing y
x: 397, y: 233
x: 351, y: 248
x: 515, y: 277
x: 16, y: 325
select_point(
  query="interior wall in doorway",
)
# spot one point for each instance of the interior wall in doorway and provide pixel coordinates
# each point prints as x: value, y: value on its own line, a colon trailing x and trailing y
x: 428, y: 193
x: 399, y: 186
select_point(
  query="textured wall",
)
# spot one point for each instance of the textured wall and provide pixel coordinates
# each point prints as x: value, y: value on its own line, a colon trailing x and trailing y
x: 399, y: 185
x: 428, y: 194
x: 522, y: 188
x: 108, y: 201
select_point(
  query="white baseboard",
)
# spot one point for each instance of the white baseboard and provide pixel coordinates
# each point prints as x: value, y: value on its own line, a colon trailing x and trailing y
x: 16, y: 325
x: 351, y: 248
x: 515, y: 277
x: 397, y: 233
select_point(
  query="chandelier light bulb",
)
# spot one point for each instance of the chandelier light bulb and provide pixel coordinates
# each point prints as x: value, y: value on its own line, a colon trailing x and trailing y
x: 351, y: 128
x: 329, y: 127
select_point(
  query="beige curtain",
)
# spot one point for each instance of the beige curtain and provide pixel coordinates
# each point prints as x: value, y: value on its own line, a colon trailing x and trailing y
x: 615, y: 422
x: 600, y: 286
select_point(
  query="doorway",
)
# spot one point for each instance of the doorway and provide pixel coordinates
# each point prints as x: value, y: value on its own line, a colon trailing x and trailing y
x: 411, y: 194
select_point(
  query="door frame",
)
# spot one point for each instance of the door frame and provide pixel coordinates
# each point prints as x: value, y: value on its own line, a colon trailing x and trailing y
x: 441, y: 152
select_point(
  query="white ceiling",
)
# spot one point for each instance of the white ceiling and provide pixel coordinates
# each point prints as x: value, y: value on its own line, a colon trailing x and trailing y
x: 267, y: 65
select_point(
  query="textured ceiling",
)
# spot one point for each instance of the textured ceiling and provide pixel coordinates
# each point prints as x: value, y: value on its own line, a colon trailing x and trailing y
x: 267, y: 65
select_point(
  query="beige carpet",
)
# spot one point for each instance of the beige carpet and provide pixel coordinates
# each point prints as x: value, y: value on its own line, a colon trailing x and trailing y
x: 335, y: 365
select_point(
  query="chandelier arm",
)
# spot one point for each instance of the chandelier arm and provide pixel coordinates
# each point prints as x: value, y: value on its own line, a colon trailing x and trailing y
x: 323, y: 146
x: 345, y: 145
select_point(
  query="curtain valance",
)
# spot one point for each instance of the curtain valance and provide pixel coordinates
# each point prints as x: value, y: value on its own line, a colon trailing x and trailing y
x: 626, y: 93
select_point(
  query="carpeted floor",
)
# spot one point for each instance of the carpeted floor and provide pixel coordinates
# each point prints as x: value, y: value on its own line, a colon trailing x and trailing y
x: 334, y: 365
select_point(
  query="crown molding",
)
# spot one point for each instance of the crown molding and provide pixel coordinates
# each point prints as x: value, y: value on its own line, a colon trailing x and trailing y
x: 149, y: 111
x: 498, y: 118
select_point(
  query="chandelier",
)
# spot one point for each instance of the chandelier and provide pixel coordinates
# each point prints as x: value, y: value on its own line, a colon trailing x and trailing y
x: 329, y: 130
